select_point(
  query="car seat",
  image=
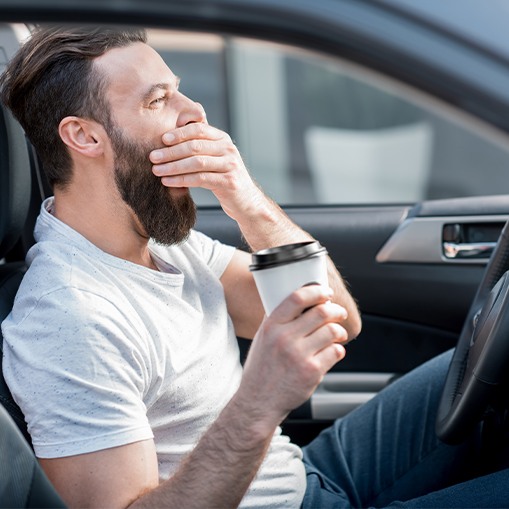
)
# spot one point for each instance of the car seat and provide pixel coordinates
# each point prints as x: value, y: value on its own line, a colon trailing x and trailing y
x: 15, y: 186
x: 22, y: 480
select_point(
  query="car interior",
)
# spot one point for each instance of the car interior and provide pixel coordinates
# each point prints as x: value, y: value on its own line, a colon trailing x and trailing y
x: 413, y: 266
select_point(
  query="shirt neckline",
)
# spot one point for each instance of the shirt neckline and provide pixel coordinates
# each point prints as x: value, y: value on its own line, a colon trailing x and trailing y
x: 50, y: 228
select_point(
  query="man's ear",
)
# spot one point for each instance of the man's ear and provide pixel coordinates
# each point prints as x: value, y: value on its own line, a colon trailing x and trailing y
x: 83, y: 136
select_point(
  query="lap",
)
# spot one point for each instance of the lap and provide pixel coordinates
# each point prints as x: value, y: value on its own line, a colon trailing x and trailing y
x: 387, y: 450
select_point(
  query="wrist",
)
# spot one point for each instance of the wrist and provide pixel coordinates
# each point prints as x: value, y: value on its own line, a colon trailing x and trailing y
x: 255, y: 423
x: 246, y: 205
x: 271, y: 227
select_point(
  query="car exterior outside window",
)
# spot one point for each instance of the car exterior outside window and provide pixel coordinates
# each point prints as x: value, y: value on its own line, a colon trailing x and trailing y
x: 317, y: 130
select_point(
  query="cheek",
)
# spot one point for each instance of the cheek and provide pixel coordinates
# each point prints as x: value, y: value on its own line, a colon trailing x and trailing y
x: 152, y: 132
x: 148, y: 128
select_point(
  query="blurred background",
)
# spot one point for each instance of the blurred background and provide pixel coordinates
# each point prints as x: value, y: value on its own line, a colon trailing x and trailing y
x: 316, y: 129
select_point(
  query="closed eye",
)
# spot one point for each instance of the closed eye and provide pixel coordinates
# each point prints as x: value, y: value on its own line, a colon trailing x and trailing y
x: 157, y: 95
x: 158, y: 101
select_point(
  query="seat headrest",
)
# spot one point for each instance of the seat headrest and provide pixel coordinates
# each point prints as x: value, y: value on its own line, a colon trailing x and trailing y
x: 15, y: 180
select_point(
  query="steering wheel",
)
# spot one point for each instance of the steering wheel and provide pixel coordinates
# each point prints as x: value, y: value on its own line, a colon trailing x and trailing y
x: 481, y: 358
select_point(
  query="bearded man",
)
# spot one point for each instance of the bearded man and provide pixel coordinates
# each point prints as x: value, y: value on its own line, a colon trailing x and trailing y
x: 121, y: 348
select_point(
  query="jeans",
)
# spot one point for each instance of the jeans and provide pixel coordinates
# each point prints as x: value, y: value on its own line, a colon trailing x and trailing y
x: 386, y: 454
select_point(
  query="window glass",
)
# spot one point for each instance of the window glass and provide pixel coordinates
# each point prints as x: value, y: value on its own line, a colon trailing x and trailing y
x: 317, y: 130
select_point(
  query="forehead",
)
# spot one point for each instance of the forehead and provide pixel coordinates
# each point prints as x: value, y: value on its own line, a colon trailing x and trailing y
x: 131, y: 70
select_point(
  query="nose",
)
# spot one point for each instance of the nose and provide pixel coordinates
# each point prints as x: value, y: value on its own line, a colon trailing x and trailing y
x: 191, y: 112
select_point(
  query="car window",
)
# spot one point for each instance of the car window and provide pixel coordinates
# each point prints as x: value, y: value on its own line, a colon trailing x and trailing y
x: 318, y: 130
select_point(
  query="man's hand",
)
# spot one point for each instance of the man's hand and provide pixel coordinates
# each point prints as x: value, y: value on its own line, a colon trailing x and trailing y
x: 199, y: 155
x: 293, y: 349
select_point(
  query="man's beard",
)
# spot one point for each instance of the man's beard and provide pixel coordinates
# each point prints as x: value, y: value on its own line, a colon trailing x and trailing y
x: 165, y: 219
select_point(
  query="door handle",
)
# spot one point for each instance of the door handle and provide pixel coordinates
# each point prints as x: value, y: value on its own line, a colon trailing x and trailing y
x: 455, y: 250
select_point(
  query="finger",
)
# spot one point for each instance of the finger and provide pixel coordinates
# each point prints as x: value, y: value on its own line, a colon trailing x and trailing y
x: 205, y: 180
x: 195, y: 130
x: 324, y: 336
x: 192, y: 148
x: 321, y: 314
x: 296, y: 303
x: 329, y: 356
x: 200, y: 173
x: 330, y: 311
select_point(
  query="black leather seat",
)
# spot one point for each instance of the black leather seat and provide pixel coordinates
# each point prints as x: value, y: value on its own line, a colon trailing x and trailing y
x: 15, y: 192
x: 10, y: 278
x: 22, y: 481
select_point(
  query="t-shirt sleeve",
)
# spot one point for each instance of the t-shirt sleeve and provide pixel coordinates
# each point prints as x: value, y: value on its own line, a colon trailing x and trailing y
x: 77, y: 367
x: 215, y: 254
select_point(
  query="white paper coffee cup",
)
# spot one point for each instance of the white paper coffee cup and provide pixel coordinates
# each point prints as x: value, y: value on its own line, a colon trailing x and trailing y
x: 281, y: 270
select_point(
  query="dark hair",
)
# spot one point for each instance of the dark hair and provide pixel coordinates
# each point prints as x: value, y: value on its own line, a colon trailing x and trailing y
x: 52, y: 76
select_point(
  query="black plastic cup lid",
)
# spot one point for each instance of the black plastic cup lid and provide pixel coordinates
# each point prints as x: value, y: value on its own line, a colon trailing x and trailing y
x: 288, y: 253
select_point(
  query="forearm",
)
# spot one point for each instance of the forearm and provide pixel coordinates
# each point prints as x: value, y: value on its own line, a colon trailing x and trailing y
x: 219, y: 470
x: 264, y: 224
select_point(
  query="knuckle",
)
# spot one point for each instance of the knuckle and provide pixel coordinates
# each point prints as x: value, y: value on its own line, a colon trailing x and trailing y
x: 332, y: 329
x: 195, y: 146
x: 179, y: 136
x: 171, y: 154
x: 231, y: 166
x: 180, y: 180
x: 230, y: 180
x: 340, y: 352
x: 227, y: 137
x: 335, y: 330
x: 297, y: 299
x: 199, y: 129
x: 339, y: 311
x: 322, y: 311
x: 231, y: 149
x: 201, y: 162
x: 312, y: 370
x: 338, y: 332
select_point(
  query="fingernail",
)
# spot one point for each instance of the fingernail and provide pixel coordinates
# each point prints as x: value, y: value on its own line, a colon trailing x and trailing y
x: 156, y: 155
x: 168, y: 137
x: 340, y: 350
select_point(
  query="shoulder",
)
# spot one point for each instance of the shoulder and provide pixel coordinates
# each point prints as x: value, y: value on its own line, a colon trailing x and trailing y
x: 60, y: 276
x: 198, y: 249
x: 65, y: 294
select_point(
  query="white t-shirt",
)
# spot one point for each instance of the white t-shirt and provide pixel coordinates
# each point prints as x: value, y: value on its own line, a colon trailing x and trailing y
x: 101, y: 352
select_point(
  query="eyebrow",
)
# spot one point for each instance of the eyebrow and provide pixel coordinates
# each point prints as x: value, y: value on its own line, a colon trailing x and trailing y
x: 160, y: 86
